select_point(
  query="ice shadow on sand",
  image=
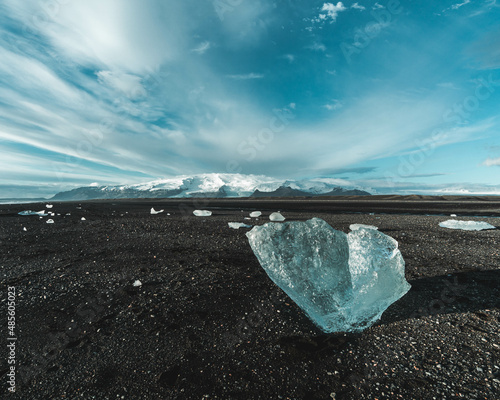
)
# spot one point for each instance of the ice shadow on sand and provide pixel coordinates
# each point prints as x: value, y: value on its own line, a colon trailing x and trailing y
x: 463, y: 292
x: 452, y: 293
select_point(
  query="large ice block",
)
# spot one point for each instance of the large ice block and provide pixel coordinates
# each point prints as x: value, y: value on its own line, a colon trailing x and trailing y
x: 342, y: 282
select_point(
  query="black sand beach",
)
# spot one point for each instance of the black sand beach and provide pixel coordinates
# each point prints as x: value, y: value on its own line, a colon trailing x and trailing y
x: 207, y: 322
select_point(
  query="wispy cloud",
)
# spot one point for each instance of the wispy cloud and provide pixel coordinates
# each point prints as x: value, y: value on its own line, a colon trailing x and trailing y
x: 490, y: 162
x: 290, y: 57
x: 333, y: 105
x: 357, y: 6
x: 458, y: 5
x: 317, y: 46
x: 251, y: 75
x: 202, y: 47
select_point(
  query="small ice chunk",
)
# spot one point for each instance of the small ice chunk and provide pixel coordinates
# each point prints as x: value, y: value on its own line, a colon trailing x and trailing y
x: 49, y: 205
x: 68, y: 213
x: 247, y: 218
x: 238, y: 225
x: 84, y: 219
x: 342, y: 282
x: 137, y: 283
x: 453, y: 215
x: 29, y: 212
x: 50, y: 221
x: 255, y: 214
x: 355, y: 227
x: 466, y: 225
x: 276, y: 216
x: 25, y: 230
x: 154, y: 212
x: 168, y: 213
x: 202, y: 213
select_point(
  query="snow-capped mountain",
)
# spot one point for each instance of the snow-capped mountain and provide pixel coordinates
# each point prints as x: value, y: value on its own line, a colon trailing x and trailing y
x: 214, y: 185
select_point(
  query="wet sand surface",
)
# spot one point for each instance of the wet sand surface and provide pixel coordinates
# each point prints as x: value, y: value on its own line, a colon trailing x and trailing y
x: 206, y: 321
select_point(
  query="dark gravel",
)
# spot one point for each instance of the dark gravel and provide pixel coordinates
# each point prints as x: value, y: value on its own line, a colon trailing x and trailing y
x: 207, y: 322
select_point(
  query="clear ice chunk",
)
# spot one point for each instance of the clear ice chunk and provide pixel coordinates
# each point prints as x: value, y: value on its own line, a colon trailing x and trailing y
x: 154, y: 212
x: 466, y: 225
x: 238, y: 225
x: 342, y: 282
x: 354, y: 227
x: 255, y: 214
x: 202, y: 213
x: 276, y: 217
x: 29, y: 212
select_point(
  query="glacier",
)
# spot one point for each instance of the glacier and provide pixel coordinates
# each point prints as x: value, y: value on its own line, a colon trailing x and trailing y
x: 466, y: 225
x: 343, y: 282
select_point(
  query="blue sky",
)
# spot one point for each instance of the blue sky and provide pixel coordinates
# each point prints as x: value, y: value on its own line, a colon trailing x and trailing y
x: 396, y: 96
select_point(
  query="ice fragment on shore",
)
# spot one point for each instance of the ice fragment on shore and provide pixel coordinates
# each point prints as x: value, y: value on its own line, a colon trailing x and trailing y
x: 354, y: 227
x: 24, y: 229
x: 49, y: 205
x: 50, y: 221
x: 83, y: 219
x: 466, y: 225
x: 453, y: 215
x: 342, y: 282
x: 154, y: 212
x: 255, y: 214
x: 29, y: 212
x: 238, y: 225
x: 202, y: 213
x: 137, y: 283
x: 276, y: 216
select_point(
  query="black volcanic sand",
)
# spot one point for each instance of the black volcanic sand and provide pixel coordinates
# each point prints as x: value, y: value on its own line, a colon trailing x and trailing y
x: 207, y: 322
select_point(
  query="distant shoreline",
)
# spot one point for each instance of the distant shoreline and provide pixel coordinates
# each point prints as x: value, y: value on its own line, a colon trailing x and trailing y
x: 487, y: 206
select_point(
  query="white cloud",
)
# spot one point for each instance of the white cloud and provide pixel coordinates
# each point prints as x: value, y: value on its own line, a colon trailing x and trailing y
x: 251, y: 75
x: 127, y: 84
x: 334, y: 105
x: 116, y: 34
x: 357, y: 6
x: 332, y: 10
x: 317, y: 47
x: 490, y: 162
x: 289, y: 57
x: 202, y: 47
x: 458, y: 5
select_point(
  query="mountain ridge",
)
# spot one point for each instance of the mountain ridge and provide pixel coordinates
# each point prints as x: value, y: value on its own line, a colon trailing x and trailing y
x: 214, y: 186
